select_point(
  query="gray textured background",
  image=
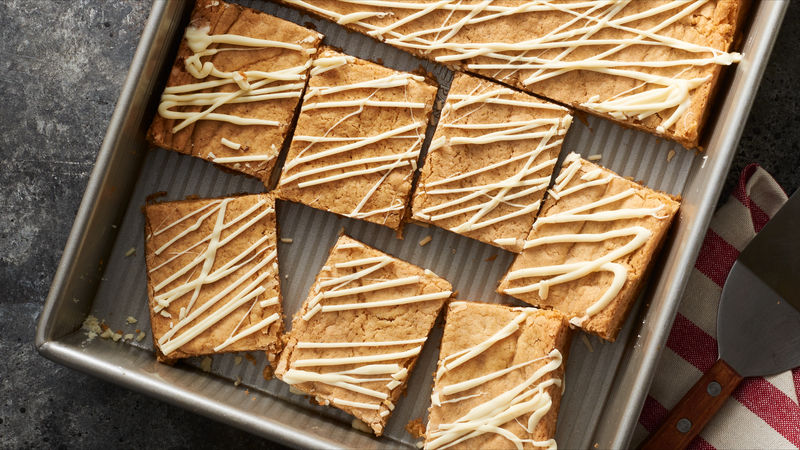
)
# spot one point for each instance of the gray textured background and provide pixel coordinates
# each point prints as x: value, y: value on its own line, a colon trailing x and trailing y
x: 62, y: 64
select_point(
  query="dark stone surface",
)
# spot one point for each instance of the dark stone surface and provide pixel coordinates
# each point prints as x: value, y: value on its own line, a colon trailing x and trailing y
x: 61, y: 67
x: 772, y: 134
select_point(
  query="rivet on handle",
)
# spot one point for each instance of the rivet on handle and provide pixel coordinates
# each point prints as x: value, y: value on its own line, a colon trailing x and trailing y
x: 684, y: 425
x: 714, y: 389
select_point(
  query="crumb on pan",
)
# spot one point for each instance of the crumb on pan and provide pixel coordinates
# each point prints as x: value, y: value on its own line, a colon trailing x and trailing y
x: 361, y: 426
x: 205, y: 364
x: 92, y: 327
x: 595, y: 157
x: 424, y: 241
x: 416, y: 428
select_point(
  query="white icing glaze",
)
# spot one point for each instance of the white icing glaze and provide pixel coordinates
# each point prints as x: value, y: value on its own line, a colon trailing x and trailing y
x: 293, y: 172
x: 518, y: 190
x: 255, y: 258
x: 315, y: 362
x: 371, y: 369
x: 528, y: 397
x: 252, y: 85
x: 362, y: 405
x: 358, y: 344
x: 230, y: 144
x: 548, y: 276
x: 235, y: 159
x: 584, y: 21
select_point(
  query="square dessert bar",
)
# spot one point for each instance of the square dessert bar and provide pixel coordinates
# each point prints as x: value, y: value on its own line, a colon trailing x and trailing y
x: 359, y: 333
x: 234, y: 87
x: 499, y: 379
x: 490, y: 162
x: 212, y: 276
x: 648, y: 64
x: 588, y: 252
x: 357, y: 140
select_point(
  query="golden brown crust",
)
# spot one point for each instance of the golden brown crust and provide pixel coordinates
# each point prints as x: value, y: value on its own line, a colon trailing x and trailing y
x: 381, y: 195
x: 574, y: 297
x: 715, y: 24
x: 468, y: 324
x: 173, y: 245
x: 362, y: 325
x: 507, y: 156
x: 203, y: 138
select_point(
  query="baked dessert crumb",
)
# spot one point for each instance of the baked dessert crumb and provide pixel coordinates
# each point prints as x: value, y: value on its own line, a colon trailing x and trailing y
x: 234, y: 87
x: 653, y: 64
x: 357, y: 140
x: 490, y: 162
x: 416, y: 428
x: 499, y: 379
x: 589, y: 250
x: 213, y: 284
x: 357, y: 336
x: 205, y: 364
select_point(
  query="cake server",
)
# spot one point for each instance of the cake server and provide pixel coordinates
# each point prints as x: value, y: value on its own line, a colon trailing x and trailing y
x: 758, y: 326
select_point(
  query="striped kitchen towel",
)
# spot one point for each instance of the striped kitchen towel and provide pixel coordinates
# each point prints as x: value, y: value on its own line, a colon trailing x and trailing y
x: 762, y: 412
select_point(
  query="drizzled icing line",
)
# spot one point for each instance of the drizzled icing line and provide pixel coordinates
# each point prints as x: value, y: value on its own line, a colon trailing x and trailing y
x: 553, y: 53
x: 528, y: 397
x: 253, y: 85
x: 318, y: 98
x: 520, y: 190
x: 553, y: 275
x: 258, y: 260
x: 376, y: 367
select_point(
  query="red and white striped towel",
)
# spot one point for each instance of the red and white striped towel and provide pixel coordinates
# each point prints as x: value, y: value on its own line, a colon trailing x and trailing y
x: 762, y: 412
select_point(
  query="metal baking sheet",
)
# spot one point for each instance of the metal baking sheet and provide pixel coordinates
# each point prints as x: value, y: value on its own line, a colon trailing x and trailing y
x: 99, y: 273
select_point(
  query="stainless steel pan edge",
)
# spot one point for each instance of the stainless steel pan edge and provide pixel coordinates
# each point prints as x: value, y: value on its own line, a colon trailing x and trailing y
x: 90, y: 239
x: 210, y: 396
x: 637, y: 369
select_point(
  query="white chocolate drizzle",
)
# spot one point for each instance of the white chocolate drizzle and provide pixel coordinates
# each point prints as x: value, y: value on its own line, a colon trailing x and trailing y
x: 318, y: 98
x: 518, y: 190
x: 240, y: 288
x: 548, y: 276
x: 193, y: 102
x: 253, y: 85
x: 552, y: 54
x: 374, y: 368
x: 230, y: 144
x: 528, y: 397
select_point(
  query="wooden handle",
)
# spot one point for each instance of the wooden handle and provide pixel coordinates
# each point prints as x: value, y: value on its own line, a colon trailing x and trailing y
x: 695, y: 409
